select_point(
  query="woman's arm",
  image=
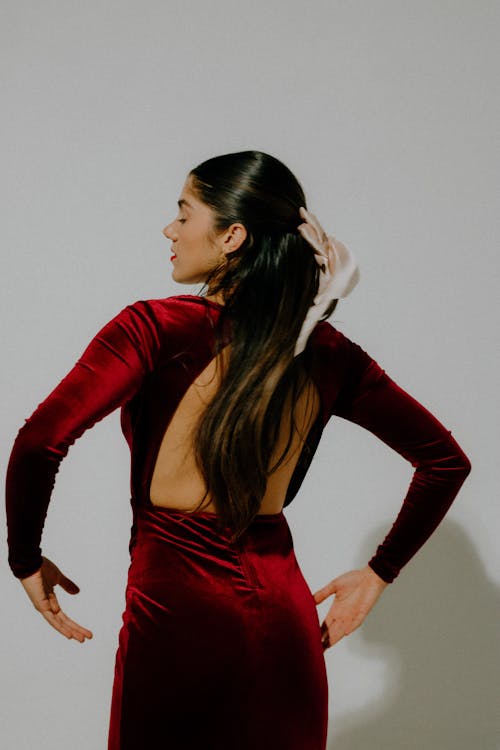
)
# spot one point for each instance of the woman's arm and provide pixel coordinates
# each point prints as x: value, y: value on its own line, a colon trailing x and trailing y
x: 371, y: 399
x: 107, y: 375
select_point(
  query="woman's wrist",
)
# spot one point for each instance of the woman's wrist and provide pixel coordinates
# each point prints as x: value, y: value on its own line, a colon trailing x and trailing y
x: 375, y: 577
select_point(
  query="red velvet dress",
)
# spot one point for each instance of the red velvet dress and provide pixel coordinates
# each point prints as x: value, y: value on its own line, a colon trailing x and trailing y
x: 220, y: 646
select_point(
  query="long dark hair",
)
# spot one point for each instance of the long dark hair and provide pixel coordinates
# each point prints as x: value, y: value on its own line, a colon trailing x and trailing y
x: 268, y: 285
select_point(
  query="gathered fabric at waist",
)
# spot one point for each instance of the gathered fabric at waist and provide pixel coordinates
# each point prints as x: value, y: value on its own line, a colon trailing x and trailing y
x: 189, y: 546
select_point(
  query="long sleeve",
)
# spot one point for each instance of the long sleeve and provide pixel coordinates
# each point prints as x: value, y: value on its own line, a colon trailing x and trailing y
x: 108, y: 373
x: 371, y: 399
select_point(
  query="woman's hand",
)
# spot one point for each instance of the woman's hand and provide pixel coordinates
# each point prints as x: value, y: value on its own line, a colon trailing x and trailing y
x: 355, y: 594
x: 40, y: 588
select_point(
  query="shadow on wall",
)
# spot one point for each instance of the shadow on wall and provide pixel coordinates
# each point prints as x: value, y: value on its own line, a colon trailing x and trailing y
x: 439, y: 624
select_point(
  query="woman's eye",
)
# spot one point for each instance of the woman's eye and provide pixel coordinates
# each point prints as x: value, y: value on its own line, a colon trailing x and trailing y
x: 182, y: 220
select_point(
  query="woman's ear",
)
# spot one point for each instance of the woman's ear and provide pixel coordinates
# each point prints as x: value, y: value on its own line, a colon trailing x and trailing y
x: 234, y: 238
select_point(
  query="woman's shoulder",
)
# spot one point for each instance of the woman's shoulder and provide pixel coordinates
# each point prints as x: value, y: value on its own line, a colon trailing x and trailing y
x: 174, y: 319
x: 330, y: 346
x: 327, y: 338
x: 156, y: 327
x: 173, y: 302
x: 168, y: 310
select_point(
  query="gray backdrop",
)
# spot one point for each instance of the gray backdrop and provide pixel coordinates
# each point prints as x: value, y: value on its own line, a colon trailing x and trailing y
x: 388, y: 114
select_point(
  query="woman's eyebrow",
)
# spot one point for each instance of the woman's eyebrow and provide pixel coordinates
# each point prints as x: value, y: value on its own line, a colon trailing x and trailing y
x: 183, y: 202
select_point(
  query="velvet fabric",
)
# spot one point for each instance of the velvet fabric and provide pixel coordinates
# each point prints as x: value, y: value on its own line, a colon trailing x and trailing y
x: 203, y: 618
x: 220, y: 646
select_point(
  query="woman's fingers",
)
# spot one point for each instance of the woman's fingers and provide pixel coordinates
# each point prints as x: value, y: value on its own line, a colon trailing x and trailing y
x: 355, y: 595
x: 331, y: 635
x: 40, y: 588
x: 325, y: 637
x: 335, y: 632
x: 68, y: 585
x: 78, y: 630
x: 65, y: 625
x: 333, y: 629
x: 54, y: 615
x: 60, y: 625
x: 68, y: 621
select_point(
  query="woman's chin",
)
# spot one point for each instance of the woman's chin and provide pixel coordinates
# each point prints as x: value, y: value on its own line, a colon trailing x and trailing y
x: 183, y: 279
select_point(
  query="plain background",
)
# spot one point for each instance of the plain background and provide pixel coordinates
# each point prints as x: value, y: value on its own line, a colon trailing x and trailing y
x: 387, y: 112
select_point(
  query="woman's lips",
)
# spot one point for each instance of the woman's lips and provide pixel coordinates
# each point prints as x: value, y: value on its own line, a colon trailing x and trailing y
x: 173, y: 257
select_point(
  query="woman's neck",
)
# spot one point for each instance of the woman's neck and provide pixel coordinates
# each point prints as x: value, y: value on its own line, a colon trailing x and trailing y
x: 215, y: 298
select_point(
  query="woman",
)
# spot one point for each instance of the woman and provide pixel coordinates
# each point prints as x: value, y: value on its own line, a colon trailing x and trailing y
x: 223, y: 402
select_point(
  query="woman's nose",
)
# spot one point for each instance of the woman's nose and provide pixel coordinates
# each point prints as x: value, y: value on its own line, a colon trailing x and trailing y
x: 167, y: 232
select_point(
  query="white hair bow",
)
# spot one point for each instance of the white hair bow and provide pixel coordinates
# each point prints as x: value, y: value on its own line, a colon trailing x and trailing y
x: 339, y: 273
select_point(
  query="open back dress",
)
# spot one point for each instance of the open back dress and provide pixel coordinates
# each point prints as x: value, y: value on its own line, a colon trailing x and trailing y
x: 220, y: 646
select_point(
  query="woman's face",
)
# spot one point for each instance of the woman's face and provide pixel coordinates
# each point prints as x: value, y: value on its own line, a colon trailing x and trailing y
x: 194, y: 255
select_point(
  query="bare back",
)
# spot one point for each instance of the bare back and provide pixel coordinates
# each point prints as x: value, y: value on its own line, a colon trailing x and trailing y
x: 176, y: 482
